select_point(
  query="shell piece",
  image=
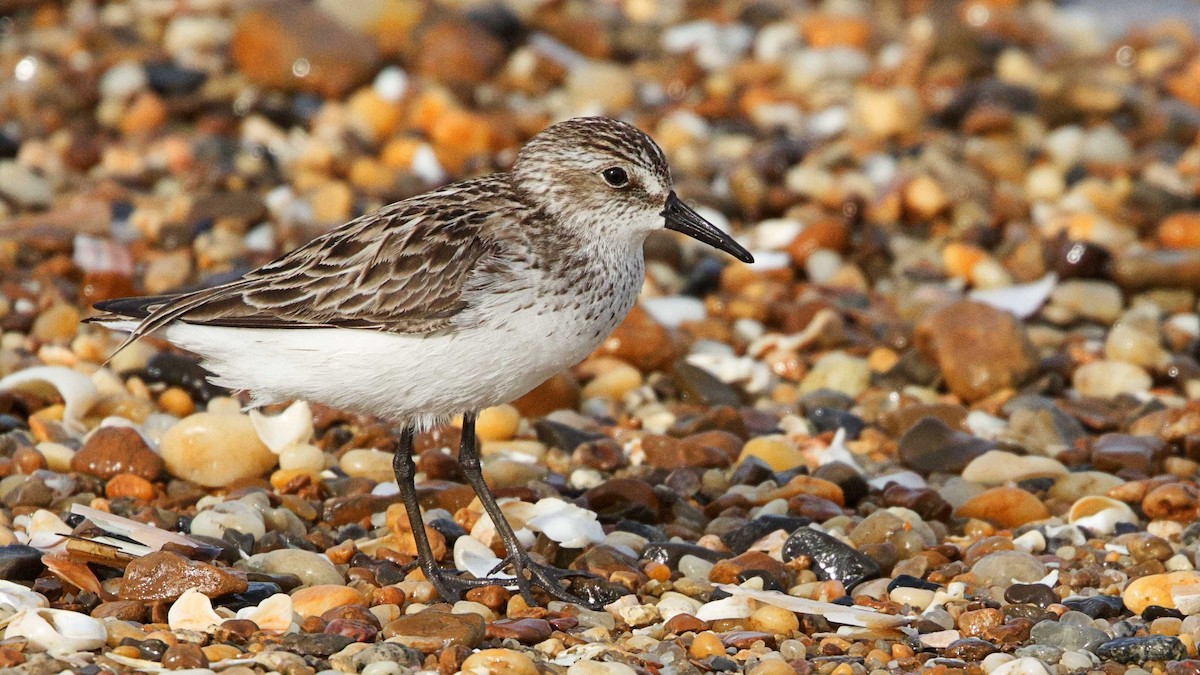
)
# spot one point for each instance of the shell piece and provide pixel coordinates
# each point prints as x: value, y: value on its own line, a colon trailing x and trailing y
x: 78, y: 392
x: 288, y: 429
x: 193, y: 611
x: 1100, y: 514
x: 46, y: 531
x: 850, y: 616
x: 57, y: 631
x: 15, y: 598
x: 567, y: 524
x: 470, y: 555
x: 733, y: 607
x: 273, y: 614
x: 1019, y: 299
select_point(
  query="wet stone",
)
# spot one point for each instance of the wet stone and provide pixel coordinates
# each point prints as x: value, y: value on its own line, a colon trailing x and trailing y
x: 970, y: 649
x: 1032, y: 594
x: 162, y: 575
x: 831, y: 559
x: 315, y: 644
x: 669, y: 553
x: 184, y: 655
x: 1004, y: 568
x: 931, y: 446
x: 979, y: 349
x: 739, y: 541
x: 1067, y: 635
x: 854, y: 486
x: 525, y: 631
x: 20, y: 563
x: 114, y: 450
x: 430, y: 631
x: 1142, y: 649
x: 1098, y: 606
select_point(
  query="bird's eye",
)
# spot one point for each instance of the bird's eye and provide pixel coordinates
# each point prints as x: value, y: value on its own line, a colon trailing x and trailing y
x: 615, y: 176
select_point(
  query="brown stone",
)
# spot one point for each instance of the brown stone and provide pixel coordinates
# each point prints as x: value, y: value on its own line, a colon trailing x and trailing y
x: 665, y: 452
x: 684, y: 623
x: 975, y: 623
x: 163, y: 575
x: 726, y: 571
x: 1176, y: 501
x: 183, y: 656
x: 294, y: 45
x: 560, y: 392
x: 1005, y: 507
x: 1127, y: 455
x: 431, y: 630
x: 640, y: 341
x: 978, y: 348
x: 113, y: 450
x: 125, y: 610
x: 525, y: 631
x: 458, y: 53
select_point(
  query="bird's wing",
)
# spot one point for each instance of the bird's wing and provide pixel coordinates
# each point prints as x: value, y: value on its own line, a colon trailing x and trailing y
x: 404, y: 269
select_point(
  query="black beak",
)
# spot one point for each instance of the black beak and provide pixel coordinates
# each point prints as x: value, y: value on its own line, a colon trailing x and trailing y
x: 681, y: 218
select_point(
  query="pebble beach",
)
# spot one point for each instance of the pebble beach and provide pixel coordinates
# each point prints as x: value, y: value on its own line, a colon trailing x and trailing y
x: 948, y: 422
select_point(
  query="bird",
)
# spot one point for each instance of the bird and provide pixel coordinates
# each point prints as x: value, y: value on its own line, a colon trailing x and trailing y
x: 445, y: 303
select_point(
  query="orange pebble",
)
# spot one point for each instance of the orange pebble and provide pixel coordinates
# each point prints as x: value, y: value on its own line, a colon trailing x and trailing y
x: 1180, y: 230
x: 960, y: 259
x: 658, y: 571
x: 129, y: 485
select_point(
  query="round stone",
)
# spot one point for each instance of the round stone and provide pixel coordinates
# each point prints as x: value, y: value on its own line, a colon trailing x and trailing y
x: 214, y: 450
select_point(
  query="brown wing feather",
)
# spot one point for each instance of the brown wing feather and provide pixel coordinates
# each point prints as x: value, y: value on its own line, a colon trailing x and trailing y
x: 403, y: 269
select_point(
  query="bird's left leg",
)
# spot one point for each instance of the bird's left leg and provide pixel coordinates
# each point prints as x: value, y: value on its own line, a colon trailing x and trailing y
x: 544, y: 576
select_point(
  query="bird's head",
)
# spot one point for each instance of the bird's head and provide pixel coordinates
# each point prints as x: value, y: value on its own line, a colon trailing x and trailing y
x: 596, y: 173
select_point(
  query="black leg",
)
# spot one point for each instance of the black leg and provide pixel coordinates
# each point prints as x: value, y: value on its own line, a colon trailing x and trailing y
x: 544, y: 576
x: 449, y: 587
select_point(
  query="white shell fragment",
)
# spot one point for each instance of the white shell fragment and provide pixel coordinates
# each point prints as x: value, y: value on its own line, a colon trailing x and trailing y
x: 193, y: 611
x: 46, y: 530
x: 78, y: 391
x: 288, y: 429
x: 275, y: 614
x: 57, y: 631
x: 470, y: 555
x: 1023, y: 300
x: 151, y: 538
x: 15, y: 598
x: 850, y: 616
x: 567, y: 524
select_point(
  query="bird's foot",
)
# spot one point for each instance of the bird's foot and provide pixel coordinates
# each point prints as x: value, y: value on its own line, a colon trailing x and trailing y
x: 548, y: 578
x: 450, y: 584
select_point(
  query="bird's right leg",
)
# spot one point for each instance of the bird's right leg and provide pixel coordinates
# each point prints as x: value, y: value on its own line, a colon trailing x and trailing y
x: 448, y: 584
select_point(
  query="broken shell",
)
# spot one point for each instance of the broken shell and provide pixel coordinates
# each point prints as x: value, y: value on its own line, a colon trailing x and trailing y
x: 288, y: 429
x: 78, y: 392
x: 15, y: 598
x: 57, y: 631
x: 472, y: 556
x: 1100, y: 514
x: 46, y: 530
x: 273, y: 614
x: 192, y: 611
x: 567, y: 524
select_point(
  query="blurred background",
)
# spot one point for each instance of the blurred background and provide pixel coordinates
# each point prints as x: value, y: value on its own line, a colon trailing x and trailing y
x: 154, y: 145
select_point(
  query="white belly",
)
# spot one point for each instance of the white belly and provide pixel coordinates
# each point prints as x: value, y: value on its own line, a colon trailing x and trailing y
x: 419, y: 380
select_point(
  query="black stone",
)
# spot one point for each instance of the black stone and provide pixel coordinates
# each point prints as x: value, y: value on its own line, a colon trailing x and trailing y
x: 1142, y: 649
x: 769, y: 581
x: 563, y: 436
x: 182, y: 372
x: 669, y: 553
x: 1153, y: 612
x: 20, y: 563
x: 854, y: 486
x: 697, y: 385
x: 831, y: 559
x: 825, y: 398
x: 449, y: 529
x: 315, y: 644
x: 1030, y: 594
x: 647, y: 532
x: 751, y: 471
x: 1098, y: 606
x: 909, y: 581
x: 832, y: 419
x: 256, y: 592
x: 170, y: 79
x: 931, y: 446
x: 741, y: 539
